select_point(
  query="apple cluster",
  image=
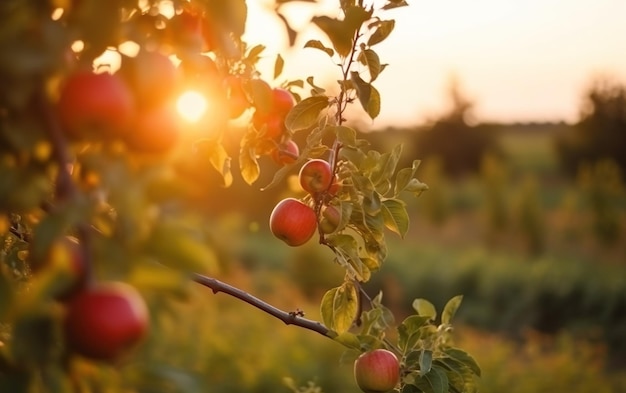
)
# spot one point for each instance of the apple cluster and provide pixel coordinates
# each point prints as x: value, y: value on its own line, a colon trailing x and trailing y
x: 133, y: 105
x: 102, y: 321
x: 294, y: 221
x: 269, y: 121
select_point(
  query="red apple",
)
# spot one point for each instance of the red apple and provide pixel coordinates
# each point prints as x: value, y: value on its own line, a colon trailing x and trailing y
x: 316, y: 176
x: 293, y: 222
x: 95, y: 105
x: 156, y: 131
x: 272, y: 126
x: 286, y: 153
x: 335, y: 187
x: 331, y: 217
x: 377, y: 371
x: 152, y: 77
x: 237, y: 100
x: 282, y: 101
x: 105, y: 321
x: 65, y: 254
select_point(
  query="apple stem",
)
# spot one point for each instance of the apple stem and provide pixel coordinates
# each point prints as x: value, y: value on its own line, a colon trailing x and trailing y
x: 65, y: 188
x: 289, y: 318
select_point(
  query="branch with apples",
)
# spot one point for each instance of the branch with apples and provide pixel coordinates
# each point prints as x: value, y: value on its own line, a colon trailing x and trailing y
x: 98, y: 169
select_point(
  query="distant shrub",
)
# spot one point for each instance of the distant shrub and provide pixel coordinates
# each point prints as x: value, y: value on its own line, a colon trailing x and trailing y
x: 601, y: 132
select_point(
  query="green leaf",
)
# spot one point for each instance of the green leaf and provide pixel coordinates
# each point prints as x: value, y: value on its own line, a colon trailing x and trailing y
x: 435, y: 381
x: 370, y: 58
x: 220, y: 160
x: 255, y: 52
x: 345, y: 135
x: 261, y: 94
x: 464, y: 358
x: 425, y: 308
x: 368, y: 96
x: 450, y: 309
x: 316, y: 44
x: 178, y: 247
x: 349, y: 340
x: 408, y: 331
x: 396, y: 216
x: 373, y: 107
x: 386, y: 165
x: 383, y: 29
x: 425, y: 362
x: 339, y: 307
x: 306, y: 113
x: 279, y: 64
x: 404, y: 176
x: 395, y: 4
x: 341, y: 32
x: 249, y: 165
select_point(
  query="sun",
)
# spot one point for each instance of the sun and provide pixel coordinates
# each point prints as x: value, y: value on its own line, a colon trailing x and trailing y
x: 191, y: 106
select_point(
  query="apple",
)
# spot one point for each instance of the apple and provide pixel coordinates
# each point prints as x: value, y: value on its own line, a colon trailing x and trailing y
x: 331, y: 217
x: 151, y: 76
x: 272, y: 126
x: 156, y: 131
x: 293, y: 222
x: 335, y: 187
x: 282, y: 101
x: 95, y: 105
x: 315, y: 176
x: 286, y: 153
x: 237, y: 100
x: 105, y: 321
x: 377, y: 371
x: 65, y: 254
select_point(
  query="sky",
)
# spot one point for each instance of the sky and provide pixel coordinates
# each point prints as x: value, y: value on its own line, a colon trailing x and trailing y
x: 517, y: 60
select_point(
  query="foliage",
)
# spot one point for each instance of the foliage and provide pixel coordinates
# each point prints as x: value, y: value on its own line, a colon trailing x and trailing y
x: 512, y: 294
x: 601, y: 132
x: 95, y: 150
x: 459, y: 145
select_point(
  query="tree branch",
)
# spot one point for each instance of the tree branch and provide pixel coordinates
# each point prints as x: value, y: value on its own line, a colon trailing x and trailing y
x: 289, y: 318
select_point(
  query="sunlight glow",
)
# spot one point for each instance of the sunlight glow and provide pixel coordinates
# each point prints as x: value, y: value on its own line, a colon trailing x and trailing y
x: 191, y: 106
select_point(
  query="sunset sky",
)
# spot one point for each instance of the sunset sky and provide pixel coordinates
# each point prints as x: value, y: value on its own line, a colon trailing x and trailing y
x: 522, y: 60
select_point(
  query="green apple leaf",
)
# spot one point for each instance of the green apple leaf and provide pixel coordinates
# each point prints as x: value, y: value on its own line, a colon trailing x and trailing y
x: 450, y: 309
x: 316, y: 44
x: 435, y: 381
x: 396, y: 216
x: 279, y: 64
x: 425, y: 308
x: 383, y: 29
x: 339, y: 307
x: 370, y: 59
x: 306, y: 113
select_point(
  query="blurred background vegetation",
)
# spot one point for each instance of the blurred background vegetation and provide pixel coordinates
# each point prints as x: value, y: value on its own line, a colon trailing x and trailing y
x: 527, y: 221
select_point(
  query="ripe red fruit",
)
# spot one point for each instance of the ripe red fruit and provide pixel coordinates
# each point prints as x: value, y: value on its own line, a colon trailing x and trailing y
x: 315, y: 176
x: 293, y: 222
x: 377, y: 371
x: 331, y: 217
x: 156, y: 131
x: 237, y: 100
x: 272, y: 126
x: 95, y: 105
x: 152, y: 77
x: 286, y: 153
x: 282, y: 101
x: 105, y: 321
x: 335, y: 187
x: 64, y: 254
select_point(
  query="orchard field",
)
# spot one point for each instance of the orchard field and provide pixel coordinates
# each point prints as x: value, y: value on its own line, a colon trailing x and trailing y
x: 175, y: 220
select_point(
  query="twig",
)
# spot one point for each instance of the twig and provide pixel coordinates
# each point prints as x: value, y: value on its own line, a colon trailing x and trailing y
x: 289, y: 318
x: 65, y: 188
